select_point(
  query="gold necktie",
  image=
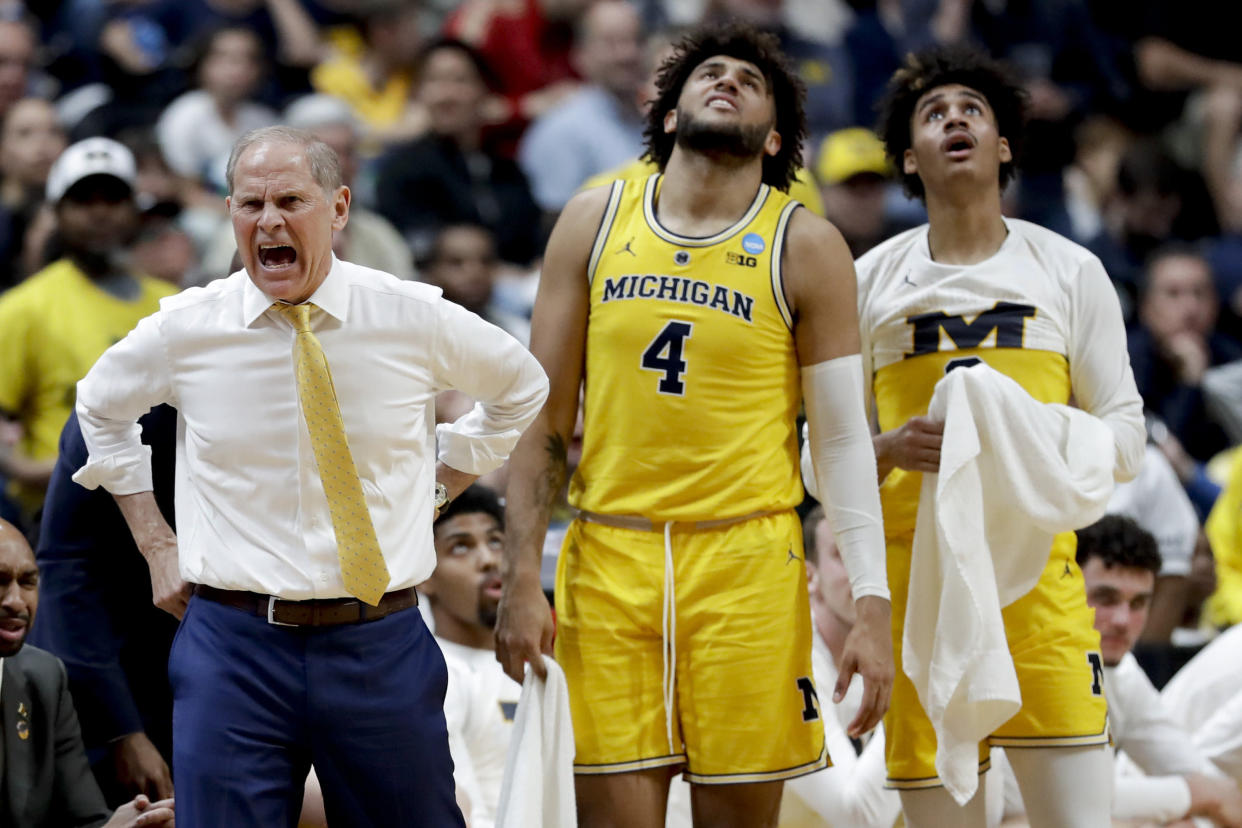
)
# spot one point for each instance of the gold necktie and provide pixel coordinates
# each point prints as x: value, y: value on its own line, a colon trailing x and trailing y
x: 362, y: 563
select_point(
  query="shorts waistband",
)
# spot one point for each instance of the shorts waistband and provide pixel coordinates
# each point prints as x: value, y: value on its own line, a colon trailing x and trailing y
x: 319, y: 612
x: 642, y: 524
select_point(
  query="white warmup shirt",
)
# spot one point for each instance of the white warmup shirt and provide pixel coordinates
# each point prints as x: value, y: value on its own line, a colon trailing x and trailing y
x: 479, y: 707
x: 1205, y: 697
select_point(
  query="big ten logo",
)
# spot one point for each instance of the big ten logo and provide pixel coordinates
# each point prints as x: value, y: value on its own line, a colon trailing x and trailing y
x: 741, y: 260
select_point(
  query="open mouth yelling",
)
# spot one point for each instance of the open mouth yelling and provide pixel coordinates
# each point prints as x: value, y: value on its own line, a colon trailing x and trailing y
x: 277, y: 256
x: 722, y: 103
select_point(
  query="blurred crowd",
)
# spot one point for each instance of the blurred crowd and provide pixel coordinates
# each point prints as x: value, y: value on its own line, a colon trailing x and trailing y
x: 464, y: 126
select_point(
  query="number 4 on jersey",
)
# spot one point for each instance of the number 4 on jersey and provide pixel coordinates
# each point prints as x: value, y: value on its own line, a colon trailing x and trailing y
x: 664, y: 355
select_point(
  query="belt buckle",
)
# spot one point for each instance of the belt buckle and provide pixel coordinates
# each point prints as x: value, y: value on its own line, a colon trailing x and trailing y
x: 271, y: 609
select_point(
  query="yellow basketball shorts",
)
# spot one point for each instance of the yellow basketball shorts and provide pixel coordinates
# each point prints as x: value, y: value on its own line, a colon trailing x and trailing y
x: 1056, y: 654
x: 743, y: 702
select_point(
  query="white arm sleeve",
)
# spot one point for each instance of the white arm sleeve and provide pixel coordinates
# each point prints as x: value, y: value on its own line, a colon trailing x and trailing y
x: 1100, y: 366
x: 843, y: 460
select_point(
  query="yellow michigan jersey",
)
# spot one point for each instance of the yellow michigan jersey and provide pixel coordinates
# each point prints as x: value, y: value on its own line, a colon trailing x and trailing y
x: 1042, y: 311
x: 692, y: 384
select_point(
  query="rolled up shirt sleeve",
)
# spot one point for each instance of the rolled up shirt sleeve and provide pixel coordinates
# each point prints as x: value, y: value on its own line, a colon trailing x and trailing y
x: 126, y: 382
x: 483, y: 362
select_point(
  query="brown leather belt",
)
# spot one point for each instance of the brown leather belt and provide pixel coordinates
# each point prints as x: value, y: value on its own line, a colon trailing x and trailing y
x: 319, y: 612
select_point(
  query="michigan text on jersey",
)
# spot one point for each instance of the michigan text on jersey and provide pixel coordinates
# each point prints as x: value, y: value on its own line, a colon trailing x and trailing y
x: 679, y: 289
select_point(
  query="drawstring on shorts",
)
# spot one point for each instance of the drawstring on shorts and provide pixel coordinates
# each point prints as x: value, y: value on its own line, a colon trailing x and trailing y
x: 669, y: 644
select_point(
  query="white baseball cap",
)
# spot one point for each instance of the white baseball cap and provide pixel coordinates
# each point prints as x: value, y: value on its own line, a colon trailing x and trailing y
x: 93, y: 156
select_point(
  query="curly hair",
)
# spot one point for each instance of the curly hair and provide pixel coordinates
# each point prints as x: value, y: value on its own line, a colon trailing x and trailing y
x: 477, y: 498
x: 1118, y: 541
x: 741, y: 42
x: 940, y: 66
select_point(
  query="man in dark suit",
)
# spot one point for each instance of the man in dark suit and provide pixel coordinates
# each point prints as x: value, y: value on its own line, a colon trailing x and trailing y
x: 96, y: 616
x: 45, y: 781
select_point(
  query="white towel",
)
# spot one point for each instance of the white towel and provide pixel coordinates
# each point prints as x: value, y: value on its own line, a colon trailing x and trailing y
x: 1014, y: 472
x: 538, y: 787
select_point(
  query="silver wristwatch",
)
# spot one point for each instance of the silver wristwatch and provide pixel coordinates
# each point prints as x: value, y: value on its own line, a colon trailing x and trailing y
x: 442, y: 497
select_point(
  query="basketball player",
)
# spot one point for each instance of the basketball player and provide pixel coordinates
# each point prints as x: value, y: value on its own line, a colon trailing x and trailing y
x: 969, y: 286
x: 481, y: 701
x: 700, y: 306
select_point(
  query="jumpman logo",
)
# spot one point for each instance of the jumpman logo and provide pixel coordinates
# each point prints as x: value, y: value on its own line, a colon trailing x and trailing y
x: 792, y: 557
x: 628, y: 249
x: 1067, y: 573
x: 906, y: 280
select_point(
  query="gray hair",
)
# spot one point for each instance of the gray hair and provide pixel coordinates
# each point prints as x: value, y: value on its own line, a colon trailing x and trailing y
x: 325, y: 167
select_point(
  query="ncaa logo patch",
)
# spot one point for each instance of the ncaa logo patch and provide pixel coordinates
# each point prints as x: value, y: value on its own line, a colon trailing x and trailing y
x: 753, y: 243
x: 681, y: 258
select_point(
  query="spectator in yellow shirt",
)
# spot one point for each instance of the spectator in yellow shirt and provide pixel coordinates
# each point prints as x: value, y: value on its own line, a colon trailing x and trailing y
x: 55, y: 325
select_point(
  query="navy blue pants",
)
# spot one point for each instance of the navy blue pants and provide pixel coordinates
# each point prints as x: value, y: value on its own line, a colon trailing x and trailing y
x: 255, y: 704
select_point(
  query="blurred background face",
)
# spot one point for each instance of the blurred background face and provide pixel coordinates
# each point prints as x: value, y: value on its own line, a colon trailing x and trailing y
x: 97, y: 216
x: 1148, y: 215
x: 232, y: 67
x: 395, y: 37
x: 1121, y: 597
x: 164, y: 251
x: 31, y: 140
x: 1180, y: 297
x: 464, y: 266
x: 1231, y: 209
x: 452, y: 90
x: 856, y: 205
x: 609, y: 52
x: 343, y: 140
x: 17, y: 47
x: 157, y: 183
x: 1101, y: 143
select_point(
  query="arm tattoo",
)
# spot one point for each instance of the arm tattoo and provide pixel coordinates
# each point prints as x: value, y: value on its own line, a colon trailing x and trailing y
x: 553, y: 478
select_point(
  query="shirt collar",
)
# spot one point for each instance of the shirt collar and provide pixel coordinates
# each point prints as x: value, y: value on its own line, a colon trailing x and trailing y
x: 332, y: 296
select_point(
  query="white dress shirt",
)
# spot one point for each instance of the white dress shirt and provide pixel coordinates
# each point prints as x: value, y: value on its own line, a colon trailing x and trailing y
x: 251, y: 510
x: 1205, y: 697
